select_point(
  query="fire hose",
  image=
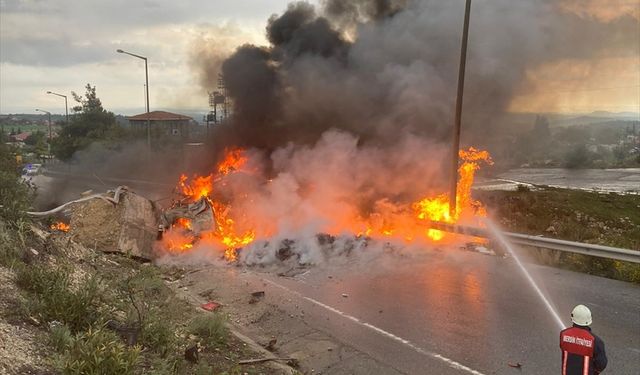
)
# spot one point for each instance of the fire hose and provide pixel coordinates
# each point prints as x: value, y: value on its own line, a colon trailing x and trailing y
x: 115, y: 200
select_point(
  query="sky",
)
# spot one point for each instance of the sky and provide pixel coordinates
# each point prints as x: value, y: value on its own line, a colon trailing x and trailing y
x: 61, y: 45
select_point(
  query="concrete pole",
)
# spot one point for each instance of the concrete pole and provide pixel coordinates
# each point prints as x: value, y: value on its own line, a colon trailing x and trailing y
x: 456, y: 130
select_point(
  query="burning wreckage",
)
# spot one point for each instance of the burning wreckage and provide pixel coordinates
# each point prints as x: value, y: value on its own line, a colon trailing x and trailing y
x: 125, y: 222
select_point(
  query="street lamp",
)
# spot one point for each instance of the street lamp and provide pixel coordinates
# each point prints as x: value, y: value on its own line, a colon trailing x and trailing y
x: 146, y: 74
x: 66, y: 107
x: 48, y: 143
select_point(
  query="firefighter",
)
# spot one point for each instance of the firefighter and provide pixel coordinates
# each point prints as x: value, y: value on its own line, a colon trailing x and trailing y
x: 582, y: 351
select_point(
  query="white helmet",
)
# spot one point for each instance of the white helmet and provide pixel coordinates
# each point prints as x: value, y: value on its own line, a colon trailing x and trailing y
x: 581, y: 315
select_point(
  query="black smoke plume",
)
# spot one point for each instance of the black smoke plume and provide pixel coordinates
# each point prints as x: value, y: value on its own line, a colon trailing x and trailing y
x: 385, y: 69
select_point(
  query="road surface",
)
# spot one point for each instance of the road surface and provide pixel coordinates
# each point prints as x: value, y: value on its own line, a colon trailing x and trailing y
x: 444, y: 312
x: 605, y: 180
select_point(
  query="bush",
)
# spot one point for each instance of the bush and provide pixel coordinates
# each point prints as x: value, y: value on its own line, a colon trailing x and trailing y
x: 158, y: 334
x: 15, y: 195
x: 211, y: 328
x: 10, y: 246
x: 60, y: 337
x: 97, y: 351
x: 52, y: 299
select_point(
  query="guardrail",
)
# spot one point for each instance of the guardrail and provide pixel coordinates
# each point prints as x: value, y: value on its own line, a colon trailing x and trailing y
x: 600, y: 251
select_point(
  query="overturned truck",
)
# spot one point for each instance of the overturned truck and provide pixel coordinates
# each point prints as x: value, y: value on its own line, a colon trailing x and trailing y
x: 125, y: 222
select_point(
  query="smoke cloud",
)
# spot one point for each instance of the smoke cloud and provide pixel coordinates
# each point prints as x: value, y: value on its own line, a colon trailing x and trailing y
x: 384, y: 68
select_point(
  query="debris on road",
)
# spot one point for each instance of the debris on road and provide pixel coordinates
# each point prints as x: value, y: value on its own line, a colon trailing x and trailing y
x: 345, y: 295
x: 210, y: 306
x: 256, y: 297
x: 271, y: 344
x: 258, y: 360
x: 516, y: 365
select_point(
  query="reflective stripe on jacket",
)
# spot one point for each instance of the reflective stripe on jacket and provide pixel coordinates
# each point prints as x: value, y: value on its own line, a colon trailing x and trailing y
x: 582, y: 352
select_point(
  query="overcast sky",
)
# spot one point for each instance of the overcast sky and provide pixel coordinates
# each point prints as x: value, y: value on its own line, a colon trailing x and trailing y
x: 61, y: 45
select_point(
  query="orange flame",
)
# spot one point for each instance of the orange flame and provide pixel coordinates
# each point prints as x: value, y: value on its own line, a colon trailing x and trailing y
x: 233, y: 231
x: 225, y: 231
x: 60, y: 226
x: 437, y: 209
x: 196, y: 189
x: 233, y: 160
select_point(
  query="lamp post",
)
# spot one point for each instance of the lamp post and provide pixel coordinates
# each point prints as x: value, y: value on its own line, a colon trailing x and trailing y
x: 146, y: 74
x: 66, y: 107
x: 456, y: 129
x: 48, y: 143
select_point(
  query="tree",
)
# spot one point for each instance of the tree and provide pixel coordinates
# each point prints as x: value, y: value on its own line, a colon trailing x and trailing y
x: 15, y: 196
x: 89, y: 123
x: 578, y: 157
x: 34, y: 138
x: 541, y: 128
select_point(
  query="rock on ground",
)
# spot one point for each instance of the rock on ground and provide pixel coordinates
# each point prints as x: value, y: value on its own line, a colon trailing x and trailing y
x: 129, y: 227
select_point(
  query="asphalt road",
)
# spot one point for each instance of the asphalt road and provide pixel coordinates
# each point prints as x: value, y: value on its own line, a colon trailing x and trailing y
x: 458, y: 312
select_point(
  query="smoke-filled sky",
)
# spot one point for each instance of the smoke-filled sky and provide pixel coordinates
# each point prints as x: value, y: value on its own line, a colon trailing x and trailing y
x: 525, y: 55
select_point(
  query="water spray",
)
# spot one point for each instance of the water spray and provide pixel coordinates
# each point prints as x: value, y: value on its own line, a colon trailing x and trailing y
x: 500, y: 237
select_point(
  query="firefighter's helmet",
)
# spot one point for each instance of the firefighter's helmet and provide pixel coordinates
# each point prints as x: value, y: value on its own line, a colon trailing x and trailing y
x: 581, y: 315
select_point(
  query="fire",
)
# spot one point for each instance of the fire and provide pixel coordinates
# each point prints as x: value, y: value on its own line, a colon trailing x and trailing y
x: 196, y: 189
x: 233, y: 160
x: 182, y: 222
x: 437, y: 208
x: 60, y: 226
x: 233, y: 229
x: 225, y: 231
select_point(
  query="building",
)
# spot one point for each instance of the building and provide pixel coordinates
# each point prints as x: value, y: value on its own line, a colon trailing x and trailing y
x: 165, y: 125
x: 20, y: 137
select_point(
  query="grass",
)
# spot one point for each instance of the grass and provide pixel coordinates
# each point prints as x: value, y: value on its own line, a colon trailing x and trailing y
x: 211, y: 329
x: 69, y: 298
x: 50, y: 296
x: 97, y: 351
x: 10, y: 246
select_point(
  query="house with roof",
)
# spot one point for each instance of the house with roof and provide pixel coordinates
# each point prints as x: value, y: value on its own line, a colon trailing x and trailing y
x: 162, y: 124
x: 20, y: 137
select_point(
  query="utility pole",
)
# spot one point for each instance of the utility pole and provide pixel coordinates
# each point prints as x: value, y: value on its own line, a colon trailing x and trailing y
x: 456, y: 130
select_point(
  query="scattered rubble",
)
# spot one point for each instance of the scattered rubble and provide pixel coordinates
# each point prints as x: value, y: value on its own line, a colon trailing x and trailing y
x: 256, y: 297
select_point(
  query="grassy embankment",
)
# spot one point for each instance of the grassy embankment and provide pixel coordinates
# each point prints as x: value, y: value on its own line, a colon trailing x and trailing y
x: 107, y: 314
x: 583, y: 216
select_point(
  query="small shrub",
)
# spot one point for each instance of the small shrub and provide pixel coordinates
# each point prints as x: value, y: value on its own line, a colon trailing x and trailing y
x: 98, y: 351
x: 628, y: 271
x: 158, y: 334
x: 51, y: 298
x: 167, y: 366
x: 203, y: 369
x: 211, y: 328
x: 10, y: 249
x: 15, y: 197
x: 60, y: 337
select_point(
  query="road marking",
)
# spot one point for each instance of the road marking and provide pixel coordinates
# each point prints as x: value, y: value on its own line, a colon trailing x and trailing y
x: 450, y: 362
